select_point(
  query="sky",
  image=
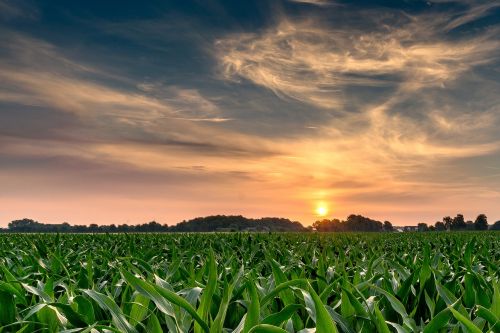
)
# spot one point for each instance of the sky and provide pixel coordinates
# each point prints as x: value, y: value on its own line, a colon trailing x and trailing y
x: 132, y: 111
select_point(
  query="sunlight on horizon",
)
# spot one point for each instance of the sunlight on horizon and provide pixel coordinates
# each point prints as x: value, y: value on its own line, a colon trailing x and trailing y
x: 322, y: 209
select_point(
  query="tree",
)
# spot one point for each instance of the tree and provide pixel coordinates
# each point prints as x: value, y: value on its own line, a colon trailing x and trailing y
x: 481, y: 222
x: 447, y: 221
x: 422, y: 227
x: 361, y: 223
x: 388, y: 226
x: 209, y: 223
x: 233, y: 223
x: 440, y: 226
x: 495, y: 226
x: 469, y: 225
x: 328, y: 225
x: 352, y: 223
x: 458, y: 223
x: 26, y: 225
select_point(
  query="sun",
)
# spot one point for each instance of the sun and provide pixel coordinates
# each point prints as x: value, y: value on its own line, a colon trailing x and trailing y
x: 321, y: 210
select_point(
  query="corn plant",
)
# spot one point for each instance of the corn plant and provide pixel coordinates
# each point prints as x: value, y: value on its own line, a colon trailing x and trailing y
x: 250, y: 282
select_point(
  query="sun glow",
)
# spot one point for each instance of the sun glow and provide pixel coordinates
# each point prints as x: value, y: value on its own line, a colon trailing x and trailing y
x: 321, y: 210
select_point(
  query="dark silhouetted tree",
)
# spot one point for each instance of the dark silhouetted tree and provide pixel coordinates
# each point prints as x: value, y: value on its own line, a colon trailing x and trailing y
x: 388, y: 226
x: 237, y: 223
x: 469, y: 225
x: 448, y: 221
x: 481, y: 222
x: 352, y: 223
x: 458, y: 223
x: 240, y: 223
x: 422, y: 227
x: 25, y: 225
x: 440, y: 226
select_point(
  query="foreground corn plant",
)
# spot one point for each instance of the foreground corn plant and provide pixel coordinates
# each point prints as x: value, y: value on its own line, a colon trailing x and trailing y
x: 250, y: 283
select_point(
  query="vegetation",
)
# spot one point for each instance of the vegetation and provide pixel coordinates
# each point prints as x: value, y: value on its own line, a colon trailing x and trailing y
x: 250, y: 282
x: 360, y: 223
x: 458, y: 223
x: 200, y: 224
x: 356, y: 223
x: 353, y: 223
x: 237, y: 223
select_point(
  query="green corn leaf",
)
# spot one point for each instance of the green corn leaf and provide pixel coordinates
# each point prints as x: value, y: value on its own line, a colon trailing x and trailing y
x: 438, y: 322
x: 265, y: 328
x: 341, y: 321
x: 85, y: 309
x: 490, y: 317
x: 153, y: 325
x: 218, y: 323
x: 324, y: 322
x: 7, y: 308
x: 358, y: 307
x: 159, y: 294
x: 139, y: 308
x: 253, y: 313
x: 450, y: 299
x: 465, y: 321
x: 495, y: 304
x: 208, y: 292
x: 279, y: 288
x: 106, y: 303
x: 277, y: 319
x: 380, y: 320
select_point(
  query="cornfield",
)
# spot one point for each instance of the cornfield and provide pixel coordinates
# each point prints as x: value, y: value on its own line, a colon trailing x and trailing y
x: 250, y: 283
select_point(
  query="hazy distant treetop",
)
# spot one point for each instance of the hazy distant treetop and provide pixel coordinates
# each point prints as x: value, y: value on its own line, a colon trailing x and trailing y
x: 481, y: 222
x: 237, y: 223
x: 495, y: 226
x: 440, y: 226
x: 241, y: 223
x: 199, y: 224
x: 352, y: 223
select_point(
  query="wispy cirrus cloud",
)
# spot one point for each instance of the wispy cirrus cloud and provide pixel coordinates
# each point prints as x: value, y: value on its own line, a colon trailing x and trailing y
x: 411, y: 117
x: 16, y: 9
x: 320, y: 3
x: 314, y: 63
x: 475, y: 11
x: 35, y: 74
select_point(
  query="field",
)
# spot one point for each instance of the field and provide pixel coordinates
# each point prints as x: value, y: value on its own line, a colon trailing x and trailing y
x: 412, y: 282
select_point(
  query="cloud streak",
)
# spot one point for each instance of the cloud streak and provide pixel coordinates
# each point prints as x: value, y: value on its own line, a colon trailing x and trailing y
x: 321, y: 3
x: 154, y: 113
x: 407, y: 128
x: 319, y: 65
x: 473, y: 13
x: 315, y: 64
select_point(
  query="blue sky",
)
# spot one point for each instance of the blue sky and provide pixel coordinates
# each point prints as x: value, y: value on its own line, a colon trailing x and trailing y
x: 126, y: 112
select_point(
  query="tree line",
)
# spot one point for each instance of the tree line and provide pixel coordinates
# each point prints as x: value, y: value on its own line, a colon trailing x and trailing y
x: 201, y: 224
x: 238, y: 223
x: 352, y: 223
x: 458, y: 223
x: 365, y: 224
